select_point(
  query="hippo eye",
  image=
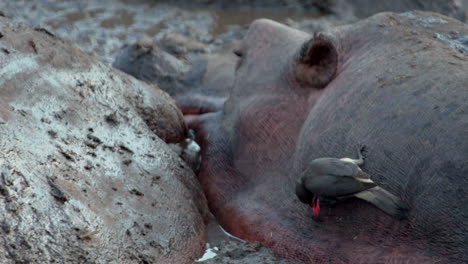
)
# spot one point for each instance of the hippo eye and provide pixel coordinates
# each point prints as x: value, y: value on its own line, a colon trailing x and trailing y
x: 238, y: 53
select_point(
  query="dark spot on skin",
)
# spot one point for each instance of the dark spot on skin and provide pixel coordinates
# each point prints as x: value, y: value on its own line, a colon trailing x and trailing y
x: 114, y: 189
x: 150, y: 156
x: 22, y: 112
x: 52, y: 134
x: 38, y: 29
x: 88, y: 166
x: 4, y: 191
x: 136, y: 192
x: 144, y: 259
x: 5, y: 227
x: 128, y: 233
x: 33, y: 45
x: 239, y: 53
x: 67, y: 156
x: 90, y: 144
x: 155, y: 180
x: 148, y: 226
x: 110, y: 148
x: 154, y: 244
x: 5, y: 51
x: 58, y: 116
x: 56, y: 191
x: 45, y: 120
x: 124, y: 148
x: 92, y: 141
x: 111, y: 119
x: 127, y: 162
x: 119, y: 203
x: 94, y: 138
x: 1, y: 35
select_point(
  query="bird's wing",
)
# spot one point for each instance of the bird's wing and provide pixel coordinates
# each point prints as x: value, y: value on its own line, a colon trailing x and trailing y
x: 335, y: 167
x: 335, y: 186
x: 333, y: 177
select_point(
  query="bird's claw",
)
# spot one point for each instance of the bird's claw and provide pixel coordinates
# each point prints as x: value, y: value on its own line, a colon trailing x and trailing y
x: 362, y: 148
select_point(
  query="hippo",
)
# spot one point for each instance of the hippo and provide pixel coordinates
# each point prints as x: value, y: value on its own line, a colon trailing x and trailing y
x: 394, y: 82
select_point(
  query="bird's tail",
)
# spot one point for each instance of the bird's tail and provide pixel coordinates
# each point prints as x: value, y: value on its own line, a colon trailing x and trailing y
x: 384, y: 200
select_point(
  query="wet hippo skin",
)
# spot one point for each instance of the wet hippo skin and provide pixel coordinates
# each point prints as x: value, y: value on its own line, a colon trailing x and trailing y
x: 394, y: 82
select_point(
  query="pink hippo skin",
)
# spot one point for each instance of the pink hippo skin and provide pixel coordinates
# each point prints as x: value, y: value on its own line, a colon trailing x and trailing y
x: 394, y: 82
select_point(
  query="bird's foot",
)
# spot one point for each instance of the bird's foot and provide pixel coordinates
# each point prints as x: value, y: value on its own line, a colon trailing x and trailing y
x: 362, y: 148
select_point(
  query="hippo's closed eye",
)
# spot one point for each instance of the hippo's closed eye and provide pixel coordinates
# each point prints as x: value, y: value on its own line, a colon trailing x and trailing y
x: 239, y: 52
x: 317, y: 61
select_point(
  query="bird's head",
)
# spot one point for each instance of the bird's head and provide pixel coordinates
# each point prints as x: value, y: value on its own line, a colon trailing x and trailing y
x: 308, y: 198
x: 303, y: 194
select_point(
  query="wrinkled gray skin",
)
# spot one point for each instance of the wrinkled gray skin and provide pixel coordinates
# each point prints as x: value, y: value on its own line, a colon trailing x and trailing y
x: 394, y: 82
x: 85, y: 176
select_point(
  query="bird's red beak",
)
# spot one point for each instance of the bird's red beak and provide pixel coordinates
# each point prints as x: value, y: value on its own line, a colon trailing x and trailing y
x: 316, y: 206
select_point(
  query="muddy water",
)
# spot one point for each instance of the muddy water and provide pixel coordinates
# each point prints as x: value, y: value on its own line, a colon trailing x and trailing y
x: 102, y: 27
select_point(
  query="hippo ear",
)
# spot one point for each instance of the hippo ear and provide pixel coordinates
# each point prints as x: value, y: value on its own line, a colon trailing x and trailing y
x: 317, y: 62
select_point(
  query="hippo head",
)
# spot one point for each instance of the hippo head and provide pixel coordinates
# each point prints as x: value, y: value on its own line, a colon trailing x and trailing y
x: 386, y: 82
